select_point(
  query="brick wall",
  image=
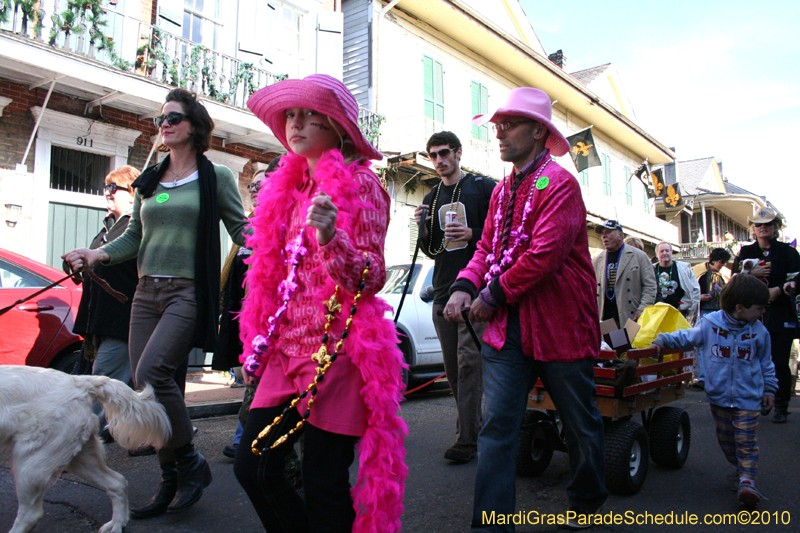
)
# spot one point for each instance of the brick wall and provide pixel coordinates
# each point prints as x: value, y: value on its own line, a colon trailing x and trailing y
x: 17, y: 123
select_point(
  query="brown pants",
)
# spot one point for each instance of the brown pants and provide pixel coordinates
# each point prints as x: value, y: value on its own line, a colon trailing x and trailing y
x: 163, y: 317
x: 463, y: 365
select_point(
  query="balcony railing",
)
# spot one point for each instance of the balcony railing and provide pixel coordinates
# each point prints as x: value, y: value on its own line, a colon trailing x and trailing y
x: 96, y: 32
x: 702, y: 250
x: 370, y: 123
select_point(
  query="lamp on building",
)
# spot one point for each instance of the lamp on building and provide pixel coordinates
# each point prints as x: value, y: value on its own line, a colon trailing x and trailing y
x: 12, y: 214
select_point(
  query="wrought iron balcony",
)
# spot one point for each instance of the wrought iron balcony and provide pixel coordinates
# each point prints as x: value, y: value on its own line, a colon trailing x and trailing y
x: 95, y: 31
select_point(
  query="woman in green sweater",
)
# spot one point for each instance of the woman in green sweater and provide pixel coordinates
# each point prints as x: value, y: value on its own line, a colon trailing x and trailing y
x: 174, y: 231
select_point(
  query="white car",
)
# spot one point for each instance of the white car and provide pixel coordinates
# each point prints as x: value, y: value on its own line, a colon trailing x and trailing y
x: 419, y: 341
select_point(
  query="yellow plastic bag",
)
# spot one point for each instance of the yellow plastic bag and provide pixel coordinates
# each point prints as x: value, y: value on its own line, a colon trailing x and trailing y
x: 658, y: 318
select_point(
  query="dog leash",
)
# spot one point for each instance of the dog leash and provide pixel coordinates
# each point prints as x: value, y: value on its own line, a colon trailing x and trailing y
x: 77, y: 279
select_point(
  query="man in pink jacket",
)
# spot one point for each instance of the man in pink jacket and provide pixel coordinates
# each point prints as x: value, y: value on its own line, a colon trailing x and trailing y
x: 531, y: 280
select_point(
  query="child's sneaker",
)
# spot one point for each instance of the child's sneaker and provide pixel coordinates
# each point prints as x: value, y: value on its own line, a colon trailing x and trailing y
x: 748, y: 494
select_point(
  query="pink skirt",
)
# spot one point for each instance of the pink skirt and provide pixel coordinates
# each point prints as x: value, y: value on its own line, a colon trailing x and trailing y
x: 338, y: 406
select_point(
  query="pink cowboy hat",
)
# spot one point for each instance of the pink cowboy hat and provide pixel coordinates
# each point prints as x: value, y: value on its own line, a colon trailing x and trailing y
x: 534, y: 104
x: 320, y: 92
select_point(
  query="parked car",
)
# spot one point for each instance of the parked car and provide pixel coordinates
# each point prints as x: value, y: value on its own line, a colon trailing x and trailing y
x: 419, y: 341
x: 37, y: 332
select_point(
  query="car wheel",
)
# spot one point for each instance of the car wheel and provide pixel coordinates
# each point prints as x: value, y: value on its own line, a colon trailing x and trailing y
x: 405, y: 347
x: 69, y: 363
x: 627, y: 457
x: 535, y: 450
x: 670, y: 437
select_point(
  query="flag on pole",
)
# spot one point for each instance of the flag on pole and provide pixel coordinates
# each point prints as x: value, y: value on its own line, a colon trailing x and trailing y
x: 672, y: 196
x: 688, y: 207
x: 644, y: 175
x: 582, y: 150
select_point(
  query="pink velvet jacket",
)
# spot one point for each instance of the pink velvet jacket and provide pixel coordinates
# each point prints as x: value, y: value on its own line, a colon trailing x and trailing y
x: 363, y: 210
x: 551, y: 277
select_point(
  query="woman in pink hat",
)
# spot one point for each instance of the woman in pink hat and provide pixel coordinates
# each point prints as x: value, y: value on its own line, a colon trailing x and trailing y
x: 313, y: 331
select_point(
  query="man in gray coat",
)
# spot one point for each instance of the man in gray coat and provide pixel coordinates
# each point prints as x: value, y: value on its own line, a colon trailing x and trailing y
x: 626, y: 282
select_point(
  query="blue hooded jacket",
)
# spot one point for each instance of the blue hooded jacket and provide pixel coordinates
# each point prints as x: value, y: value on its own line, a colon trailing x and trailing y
x: 738, y: 365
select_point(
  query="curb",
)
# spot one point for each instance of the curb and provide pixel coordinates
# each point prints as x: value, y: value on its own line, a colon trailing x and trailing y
x: 212, y: 410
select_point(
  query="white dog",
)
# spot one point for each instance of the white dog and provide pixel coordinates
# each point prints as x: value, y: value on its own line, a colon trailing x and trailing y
x: 46, y: 421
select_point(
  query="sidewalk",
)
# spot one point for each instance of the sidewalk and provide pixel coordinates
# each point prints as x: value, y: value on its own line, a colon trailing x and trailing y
x: 209, y: 394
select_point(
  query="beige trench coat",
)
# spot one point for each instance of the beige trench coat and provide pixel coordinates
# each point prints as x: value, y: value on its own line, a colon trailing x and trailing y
x: 636, y: 283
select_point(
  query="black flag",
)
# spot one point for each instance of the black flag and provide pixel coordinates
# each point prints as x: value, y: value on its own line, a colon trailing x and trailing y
x: 657, y: 179
x: 672, y: 195
x: 582, y: 150
x: 643, y: 174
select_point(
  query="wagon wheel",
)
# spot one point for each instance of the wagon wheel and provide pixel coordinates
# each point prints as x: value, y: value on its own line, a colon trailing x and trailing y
x: 627, y: 457
x: 670, y: 437
x: 535, y: 450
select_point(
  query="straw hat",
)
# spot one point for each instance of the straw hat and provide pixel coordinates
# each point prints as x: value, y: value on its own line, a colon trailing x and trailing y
x: 320, y: 92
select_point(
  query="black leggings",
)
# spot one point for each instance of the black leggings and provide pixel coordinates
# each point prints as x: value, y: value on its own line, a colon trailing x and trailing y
x: 326, y: 461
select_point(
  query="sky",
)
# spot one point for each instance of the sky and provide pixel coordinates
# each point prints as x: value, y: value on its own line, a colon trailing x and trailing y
x: 710, y: 78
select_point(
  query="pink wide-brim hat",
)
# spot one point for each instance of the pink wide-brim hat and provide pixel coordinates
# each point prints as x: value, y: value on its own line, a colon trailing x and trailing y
x: 534, y: 104
x: 320, y: 92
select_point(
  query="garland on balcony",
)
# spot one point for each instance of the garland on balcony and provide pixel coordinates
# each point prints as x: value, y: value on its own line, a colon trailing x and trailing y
x: 370, y: 126
x: 30, y: 11
x: 72, y: 20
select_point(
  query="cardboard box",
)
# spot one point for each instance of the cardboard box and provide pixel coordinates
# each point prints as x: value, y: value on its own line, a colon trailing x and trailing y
x: 619, y: 339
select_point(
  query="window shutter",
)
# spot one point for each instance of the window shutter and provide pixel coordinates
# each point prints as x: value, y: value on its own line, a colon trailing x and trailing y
x: 483, y: 111
x: 476, y: 108
x: 427, y: 81
x: 438, y: 91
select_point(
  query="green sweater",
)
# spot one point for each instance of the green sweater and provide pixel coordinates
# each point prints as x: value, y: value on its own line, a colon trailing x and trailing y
x: 163, y: 228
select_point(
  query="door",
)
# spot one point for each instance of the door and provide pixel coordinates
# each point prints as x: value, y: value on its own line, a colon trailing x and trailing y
x: 70, y: 227
x: 28, y: 329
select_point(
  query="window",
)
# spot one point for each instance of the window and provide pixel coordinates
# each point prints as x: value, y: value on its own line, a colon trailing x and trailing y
x: 71, y: 170
x: 628, y: 185
x: 16, y: 277
x: 583, y: 177
x: 256, y: 26
x: 645, y: 199
x: 606, y: 175
x: 201, y: 22
x: 433, y: 81
x: 480, y: 106
x: 289, y: 42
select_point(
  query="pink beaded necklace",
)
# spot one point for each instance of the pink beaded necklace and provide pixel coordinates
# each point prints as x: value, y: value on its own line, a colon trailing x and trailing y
x: 294, y: 250
x: 518, y: 235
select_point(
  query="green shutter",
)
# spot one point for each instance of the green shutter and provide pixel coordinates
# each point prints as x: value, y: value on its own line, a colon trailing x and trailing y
x: 606, y: 175
x: 628, y: 186
x: 484, y: 110
x: 433, y: 89
x: 427, y: 80
x: 476, y: 108
x: 438, y: 91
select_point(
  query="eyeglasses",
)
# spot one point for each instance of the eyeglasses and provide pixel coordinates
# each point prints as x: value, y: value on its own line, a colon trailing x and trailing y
x: 112, y: 188
x: 170, y: 118
x: 505, y: 126
x: 444, y: 152
x: 255, y: 186
x: 763, y: 224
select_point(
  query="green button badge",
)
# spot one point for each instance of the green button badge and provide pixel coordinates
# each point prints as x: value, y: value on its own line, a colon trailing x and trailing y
x: 163, y: 197
x: 542, y: 183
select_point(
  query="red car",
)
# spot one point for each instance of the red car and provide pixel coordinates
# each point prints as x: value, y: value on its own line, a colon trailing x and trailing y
x: 39, y: 331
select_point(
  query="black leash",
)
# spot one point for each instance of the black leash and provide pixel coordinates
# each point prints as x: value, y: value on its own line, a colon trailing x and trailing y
x: 413, y: 263
x: 465, y: 315
x: 75, y: 277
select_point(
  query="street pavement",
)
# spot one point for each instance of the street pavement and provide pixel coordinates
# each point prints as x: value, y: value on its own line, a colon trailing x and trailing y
x: 438, y: 494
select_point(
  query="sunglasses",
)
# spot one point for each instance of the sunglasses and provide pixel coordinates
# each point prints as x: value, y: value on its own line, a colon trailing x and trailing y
x: 444, y: 152
x: 112, y: 188
x: 170, y: 118
x: 505, y: 126
x: 763, y: 224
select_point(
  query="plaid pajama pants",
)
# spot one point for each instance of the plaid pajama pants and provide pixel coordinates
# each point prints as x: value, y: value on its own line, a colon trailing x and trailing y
x: 736, y: 433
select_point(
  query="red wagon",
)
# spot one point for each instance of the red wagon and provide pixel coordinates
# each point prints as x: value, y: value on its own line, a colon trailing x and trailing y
x: 663, y: 435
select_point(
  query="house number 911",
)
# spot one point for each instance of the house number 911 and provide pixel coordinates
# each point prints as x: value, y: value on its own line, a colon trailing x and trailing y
x: 84, y: 141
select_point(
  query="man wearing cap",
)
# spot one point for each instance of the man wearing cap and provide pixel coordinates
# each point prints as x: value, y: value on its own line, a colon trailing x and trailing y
x: 676, y: 284
x: 776, y: 263
x: 464, y: 198
x: 531, y: 281
x: 626, y: 283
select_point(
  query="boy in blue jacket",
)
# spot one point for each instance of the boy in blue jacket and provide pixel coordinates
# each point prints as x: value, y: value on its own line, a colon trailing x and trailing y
x: 740, y: 375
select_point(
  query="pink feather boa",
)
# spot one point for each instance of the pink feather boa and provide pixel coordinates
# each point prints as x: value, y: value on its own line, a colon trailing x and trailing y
x: 371, y: 344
